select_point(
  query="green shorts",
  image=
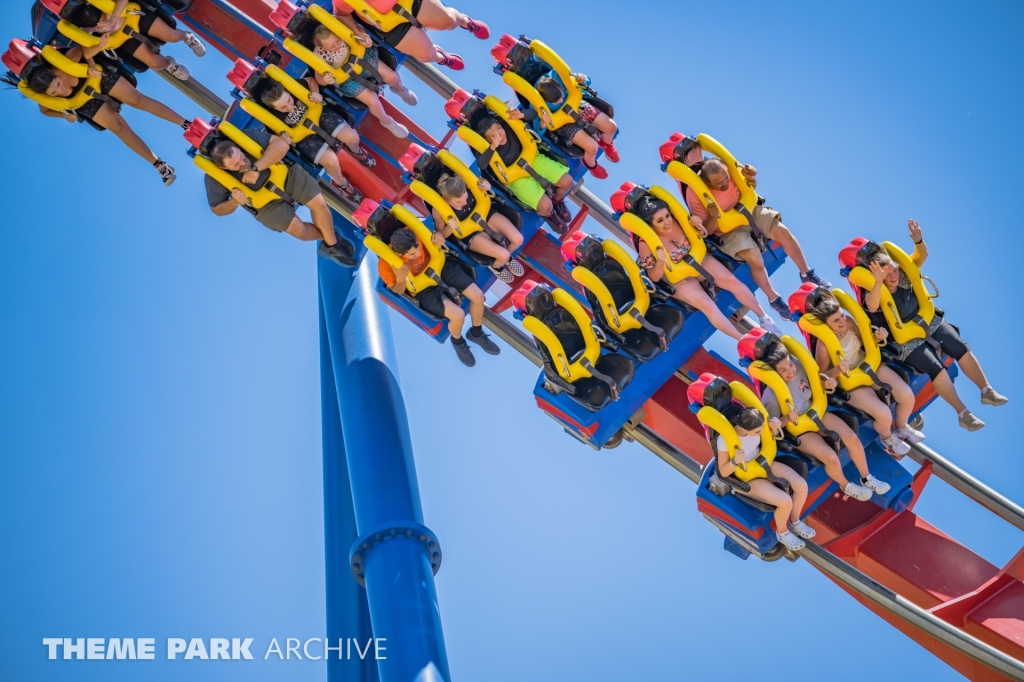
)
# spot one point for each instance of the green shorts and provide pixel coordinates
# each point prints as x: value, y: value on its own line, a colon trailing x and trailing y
x: 528, y: 190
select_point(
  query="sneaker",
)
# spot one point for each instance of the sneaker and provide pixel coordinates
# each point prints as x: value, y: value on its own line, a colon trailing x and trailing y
x: 802, y: 529
x: 504, y: 274
x: 768, y: 324
x: 350, y: 192
x: 894, y: 446
x: 166, y: 172
x: 598, y: 171
x: 484, y: 341
x: 478, y: 29
x: 407, y: 95
x: 557, y: 225
x: 177, y: 70
x: 970, y: 422
x: 779, y: 306
x: 197, y: 45
x: 610, y: 152
x: 395, y: 128
x: 463, y: 351
x: 857, y: 492
x: 790, y: 541
x: 909, y: 434
x: 452, y: 61
x: 873, y: 484
x: 562, y: 211
x: 812, y: 277
x: 516, y: 267
x: 341, y: 253
x: 990, y: 397
x: 363, y: 156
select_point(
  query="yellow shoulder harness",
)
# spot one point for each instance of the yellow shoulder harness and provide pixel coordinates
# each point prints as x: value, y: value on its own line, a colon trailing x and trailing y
x: 478, y: 218
x: 742, y: 213
x: 569, y: 369
x: 299, y: 131
x: 76, y: 69
x: 808, y: 421
x: 258, y: 198
x: 353, y: 66
x: 674, y: 272
x: 479, y: 145
x: 431, y: 274
x: 400, y: 13
x: 131, y: 15
x: 715, y: 420
x: 902, y: 330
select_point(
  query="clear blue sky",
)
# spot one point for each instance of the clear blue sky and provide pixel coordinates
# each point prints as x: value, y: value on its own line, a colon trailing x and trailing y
x: 160, y: 471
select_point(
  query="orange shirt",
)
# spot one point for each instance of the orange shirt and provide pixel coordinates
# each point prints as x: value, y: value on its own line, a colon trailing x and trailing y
x: 417, y: 263
x: 725, y: 199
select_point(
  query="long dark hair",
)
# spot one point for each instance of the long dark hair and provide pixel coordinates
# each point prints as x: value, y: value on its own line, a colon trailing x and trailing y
x: 40, y: 78
x: 647, y: 207
x: 822, y: 304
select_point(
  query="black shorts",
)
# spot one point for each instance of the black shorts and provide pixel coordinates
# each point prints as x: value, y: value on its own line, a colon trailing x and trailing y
x: 127, y: 51
x: 313, y: 147
x: 395, y: 35
x: 455, y: 274
x: 107, y: 82
x: 925, y: 360
x: 510, y: 213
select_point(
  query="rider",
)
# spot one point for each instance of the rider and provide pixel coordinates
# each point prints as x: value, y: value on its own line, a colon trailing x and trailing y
x: 313, y: 149
x: 407, y: 245
x: 739, y: 243
x: 454, y: 191
x: 812, y: 443
x: 335, y: 51
x: 104, y: 110
x: 892, y: 432
x: 656, y: 213
x: 748, y: 423
x: 552, y: 90
x: 920, y: 353
x: 141, y: 47
x: 410, y: 36
x: 278, y: 215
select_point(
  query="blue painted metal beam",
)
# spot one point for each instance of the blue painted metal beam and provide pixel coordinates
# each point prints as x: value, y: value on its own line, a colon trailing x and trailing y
x: 396, y: 556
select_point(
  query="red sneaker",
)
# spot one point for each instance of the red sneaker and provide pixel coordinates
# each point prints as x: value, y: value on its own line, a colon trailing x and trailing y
x: 479, y: 29
x: 598, y: 171
x: 452, y: 61
x: 610, y: 152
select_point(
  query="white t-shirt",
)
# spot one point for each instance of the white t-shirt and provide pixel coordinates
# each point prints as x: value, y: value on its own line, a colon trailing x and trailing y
x: 750, y: 445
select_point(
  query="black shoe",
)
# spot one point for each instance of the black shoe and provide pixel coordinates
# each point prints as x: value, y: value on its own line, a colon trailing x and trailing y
x: 812, y: 276
x: 341, y: 253
x: 779, y: 306
x: 562, y: 211
x: 463, y: 351
x: 484, y: 341
x: 556, y: 224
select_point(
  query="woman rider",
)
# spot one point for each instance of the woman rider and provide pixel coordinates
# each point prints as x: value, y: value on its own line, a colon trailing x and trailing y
x: 655, y: 213
x: 918, y: 353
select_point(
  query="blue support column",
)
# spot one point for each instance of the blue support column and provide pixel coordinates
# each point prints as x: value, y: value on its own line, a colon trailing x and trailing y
x: 348, y: 614
x: 396, y: 556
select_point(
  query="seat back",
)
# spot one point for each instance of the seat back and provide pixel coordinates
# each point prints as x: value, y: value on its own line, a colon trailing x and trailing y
x: 298, y: 25
x: 204, y: 136
x: 561, y: 327
x: 252, y: 81
x: 21, y: 57
x: 379, y: 222
x: 131, y: 16
x: 381, y: 13
x: 753, y: 347
x: 523, y: 79
x: 426, y: 172
x: 611, y: 279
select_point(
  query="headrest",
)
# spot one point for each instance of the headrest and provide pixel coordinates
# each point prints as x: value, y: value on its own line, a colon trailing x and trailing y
x: 283, y: 15
x: 533, y: 298
x: 754, y: 345
x: 798, y: 299
x: 411, y: 156
x: 502, y: 48
x: 18, y: 55
x: 456, y: 106
x: 55, y: 6
x: 364, y: 212
x: 242, y: 74
x: 848, y: 256
x: 572, y: 250
x: 618, y: 197
x: 709, y: 390
x: 681, y: 148
x: 198, y: 132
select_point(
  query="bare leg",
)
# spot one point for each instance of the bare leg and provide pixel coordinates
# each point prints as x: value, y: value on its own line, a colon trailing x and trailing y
x: 972, y: 368
x: 752, y: 257
x: 350, y: 138
x: 607, y: 127
x: 589, y: 147
x: 372, y: 102
x: 151, y: 59
x: 563, y: 186
x: 814, y: 445
x: 435, y: 16
x: 322, y: 219
x: 161, y: 31
x: 765, y: 491
x: 483, y: 244
x: 418, y: 45
x: 944, y: 387
x: 724, y: 279
x: 456, y: 318
x: 865, y: 400
x: 850, y: 440
x: 112, y: 121
x: 124, y: 91
x: 901, y: 393
x: 799, y: 487
x: 544, y: 207
x: 506, y: 229
x: 303, y: 231
x: 476, y: 304
x: 790, y: 245
x: 690, y: 291
x: 390, y: 77
x: 329, y: 162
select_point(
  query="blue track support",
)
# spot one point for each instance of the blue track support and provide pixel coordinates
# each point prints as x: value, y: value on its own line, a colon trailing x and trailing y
x: 395, y: 552
x: 348, y: 614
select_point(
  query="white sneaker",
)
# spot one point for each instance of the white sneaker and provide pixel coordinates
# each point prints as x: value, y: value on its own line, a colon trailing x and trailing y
x: 768, y: 324
x: 197, y: 45
x: 894, y: 445
x: 516, y: 267
x: 504, y: 274
x: 166, y: 172
x: 395, y: 128
x: 407, y: 95
x: 857, y: 492
x: 873, y: 484
x: 177, y: 70
x: 802, y: 529
x: 790, y: 541
x: 909, y: 434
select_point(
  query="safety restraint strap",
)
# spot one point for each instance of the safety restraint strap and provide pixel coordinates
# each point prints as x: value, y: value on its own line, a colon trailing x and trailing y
x: 612, y: 385
x: 544, y: 182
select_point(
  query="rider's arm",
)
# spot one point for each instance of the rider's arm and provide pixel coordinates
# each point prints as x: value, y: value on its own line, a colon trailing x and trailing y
x: 874, y: 298
x: 349, y: 20
x: 656, y: 271
x: 725, y: 465
x: 920, y: 254
x: 821, y: 356
x: 440, y: 225
x: 226, y: 208
x: 274, y: 152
